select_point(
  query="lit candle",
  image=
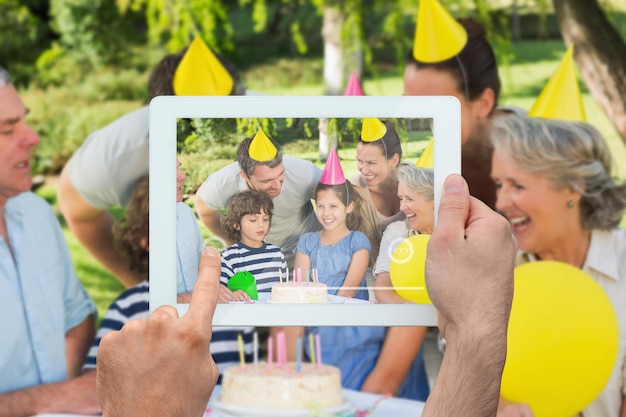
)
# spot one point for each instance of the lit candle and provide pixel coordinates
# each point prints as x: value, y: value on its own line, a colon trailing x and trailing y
x: 255, y: 347
x: 241, y: 357
x: 319, y: 350
x: 311, y: 349
x: 299, y: 354
x: 270, y: 346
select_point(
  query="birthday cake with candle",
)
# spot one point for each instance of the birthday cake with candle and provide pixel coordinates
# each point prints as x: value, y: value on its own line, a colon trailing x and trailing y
x: 281, y: 386
x: 299, y: 292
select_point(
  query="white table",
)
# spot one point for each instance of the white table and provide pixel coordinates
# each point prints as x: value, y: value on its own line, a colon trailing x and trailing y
x: 388, y: 407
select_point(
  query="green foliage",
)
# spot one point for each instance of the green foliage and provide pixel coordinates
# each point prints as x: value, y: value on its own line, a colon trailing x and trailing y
x: 23, y: 38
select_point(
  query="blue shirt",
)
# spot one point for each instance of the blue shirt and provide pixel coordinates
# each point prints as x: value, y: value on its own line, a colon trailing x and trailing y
x: 189, y: 245
x: 40, y: 296
x: 355, y: 351
x: 332, y: 261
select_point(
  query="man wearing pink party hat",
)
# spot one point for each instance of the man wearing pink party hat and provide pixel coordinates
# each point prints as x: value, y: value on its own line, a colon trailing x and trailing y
x: 103, y: 171
x: 261, y: 166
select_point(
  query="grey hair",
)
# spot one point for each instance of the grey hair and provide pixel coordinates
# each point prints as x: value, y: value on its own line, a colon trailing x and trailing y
x: 419, y: 180
x: 569, y: 154
x: 5, y: 77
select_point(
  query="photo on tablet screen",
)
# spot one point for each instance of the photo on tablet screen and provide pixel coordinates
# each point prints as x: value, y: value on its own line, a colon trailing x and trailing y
x: 296, y: 191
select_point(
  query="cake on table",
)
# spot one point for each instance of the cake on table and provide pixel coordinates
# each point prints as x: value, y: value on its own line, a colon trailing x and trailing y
x: 299, y: 292
x: 281, y: 387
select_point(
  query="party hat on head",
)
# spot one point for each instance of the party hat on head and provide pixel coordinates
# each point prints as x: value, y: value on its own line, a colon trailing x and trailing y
x: 261, y: 148
x: 353, y: 88
x: 427, y: 158
x: 561, y: 98
x: 438, y: 36
x: 332, y: 174
x: 200, y: 73
x: 372, y: 129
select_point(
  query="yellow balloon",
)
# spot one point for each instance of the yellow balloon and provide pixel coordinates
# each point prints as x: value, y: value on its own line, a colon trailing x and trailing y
x: 408, y: 267
x: 562, y: 340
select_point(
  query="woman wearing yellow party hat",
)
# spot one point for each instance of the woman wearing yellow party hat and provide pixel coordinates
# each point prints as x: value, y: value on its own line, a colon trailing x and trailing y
x: 453, y: 57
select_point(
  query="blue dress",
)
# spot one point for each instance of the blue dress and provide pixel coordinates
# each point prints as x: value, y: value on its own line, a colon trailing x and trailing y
x: 355, y: 350
x: 332, y: 261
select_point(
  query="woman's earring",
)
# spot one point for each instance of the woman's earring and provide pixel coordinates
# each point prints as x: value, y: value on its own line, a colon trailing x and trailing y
x: 570, y: 203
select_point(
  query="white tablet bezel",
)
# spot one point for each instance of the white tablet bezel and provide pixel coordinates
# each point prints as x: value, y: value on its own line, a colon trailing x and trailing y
x: 445, y: 111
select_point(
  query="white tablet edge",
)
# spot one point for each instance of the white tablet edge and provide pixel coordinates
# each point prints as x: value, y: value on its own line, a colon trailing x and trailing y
x: 164, y: 112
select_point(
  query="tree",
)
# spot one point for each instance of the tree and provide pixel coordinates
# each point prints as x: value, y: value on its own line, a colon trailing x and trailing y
x: 600, y: 53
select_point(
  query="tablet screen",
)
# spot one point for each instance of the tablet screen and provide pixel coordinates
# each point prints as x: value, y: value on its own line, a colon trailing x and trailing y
x: 417, y: 120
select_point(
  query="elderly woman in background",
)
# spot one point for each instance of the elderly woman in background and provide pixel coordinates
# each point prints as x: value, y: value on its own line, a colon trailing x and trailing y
x: 555, y: 185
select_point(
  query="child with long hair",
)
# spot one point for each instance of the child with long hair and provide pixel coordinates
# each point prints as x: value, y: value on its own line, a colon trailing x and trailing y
x: 339, y: 252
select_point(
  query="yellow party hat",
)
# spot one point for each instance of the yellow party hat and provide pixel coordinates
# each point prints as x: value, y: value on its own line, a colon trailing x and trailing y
x: 438, y: 36
x: 261, y: 148
x: 200, y: 73
x: 372, y: 129
x: 427, y: 158
x: 561, y: 98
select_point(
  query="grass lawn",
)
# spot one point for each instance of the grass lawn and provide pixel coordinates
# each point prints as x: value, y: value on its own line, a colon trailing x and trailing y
x: 522, y: 81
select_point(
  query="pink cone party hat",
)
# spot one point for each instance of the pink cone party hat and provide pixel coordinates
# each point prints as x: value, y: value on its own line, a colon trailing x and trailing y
x: 560, y: 98
x: 332, y: 174
x: 353, y: 88
x: 438, y: 36
x: 200, y: 73
x: 372, y: 129
x: 261, y: 148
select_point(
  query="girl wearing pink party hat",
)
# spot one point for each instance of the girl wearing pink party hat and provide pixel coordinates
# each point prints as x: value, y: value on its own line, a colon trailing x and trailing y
x: 339, y: 253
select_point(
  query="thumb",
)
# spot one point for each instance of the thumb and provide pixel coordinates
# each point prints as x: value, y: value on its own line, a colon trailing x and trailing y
x: 453, y: 208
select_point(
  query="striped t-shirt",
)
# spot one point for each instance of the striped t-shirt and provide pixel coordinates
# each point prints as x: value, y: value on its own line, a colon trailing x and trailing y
x: 263, y: 263
x: 133, y: 305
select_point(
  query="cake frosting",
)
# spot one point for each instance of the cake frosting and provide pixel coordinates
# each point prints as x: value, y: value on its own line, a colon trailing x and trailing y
x: 299, y: 292
x: 257, y: 386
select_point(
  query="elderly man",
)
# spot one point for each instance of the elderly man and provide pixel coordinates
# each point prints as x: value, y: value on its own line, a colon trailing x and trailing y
x: 48, y: 318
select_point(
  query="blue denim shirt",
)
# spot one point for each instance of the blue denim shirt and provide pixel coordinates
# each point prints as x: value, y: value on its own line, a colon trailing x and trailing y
x: 40, y: 296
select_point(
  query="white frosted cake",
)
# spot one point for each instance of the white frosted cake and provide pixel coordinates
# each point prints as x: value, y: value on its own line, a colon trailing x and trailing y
x: 299, y: 292
x: 254, y: 385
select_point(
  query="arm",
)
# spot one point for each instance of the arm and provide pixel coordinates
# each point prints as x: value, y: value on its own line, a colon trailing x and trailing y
x: 383, y: 289
x: 356, y: 272
x: 400, y: 347
x: 623, y: 414
x: 75, y: 396
x: 469, y: 274
x: 163, y: 365
x: 211, y: 219
x: 92, y: 227
x: 77, y: 343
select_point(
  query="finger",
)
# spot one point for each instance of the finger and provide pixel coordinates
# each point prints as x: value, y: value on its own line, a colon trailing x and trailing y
x: 207, y: 288
x: 453, y: 208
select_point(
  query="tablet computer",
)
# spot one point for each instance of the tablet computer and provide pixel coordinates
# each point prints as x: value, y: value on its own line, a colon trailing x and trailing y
x: 443, y: 116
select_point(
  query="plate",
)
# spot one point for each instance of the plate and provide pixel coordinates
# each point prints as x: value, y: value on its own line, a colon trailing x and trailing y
x: 273, y: 412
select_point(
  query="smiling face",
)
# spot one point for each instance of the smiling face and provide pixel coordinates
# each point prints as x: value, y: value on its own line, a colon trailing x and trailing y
x: 253, y: 229
x: 17, y: 141
x: 419, y: 211
x: 331, y: 211
x: 373, y: 166
x: 434, y: 82
x: 538, y: 212
x: 267, y: 180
